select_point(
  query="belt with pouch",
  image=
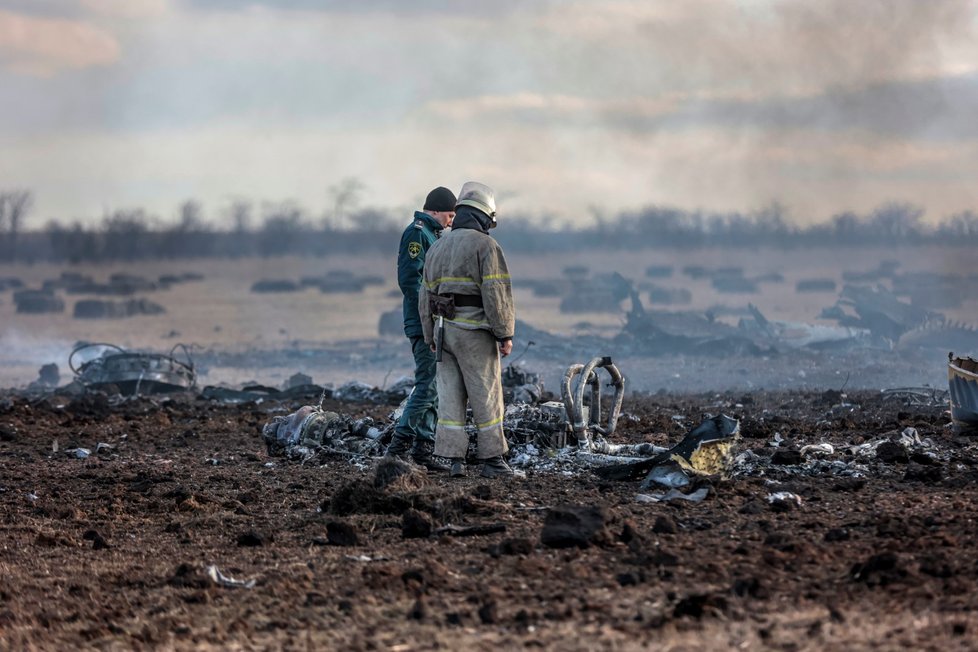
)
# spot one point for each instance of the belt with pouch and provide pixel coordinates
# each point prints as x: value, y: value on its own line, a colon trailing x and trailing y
x: 467, y: 300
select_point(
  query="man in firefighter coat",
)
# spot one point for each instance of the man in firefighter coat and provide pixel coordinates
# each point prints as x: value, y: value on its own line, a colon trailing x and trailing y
x: 467, y: 271
x: 414, y: 434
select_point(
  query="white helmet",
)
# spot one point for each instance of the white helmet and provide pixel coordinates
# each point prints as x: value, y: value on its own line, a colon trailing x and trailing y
x: 478, y: 195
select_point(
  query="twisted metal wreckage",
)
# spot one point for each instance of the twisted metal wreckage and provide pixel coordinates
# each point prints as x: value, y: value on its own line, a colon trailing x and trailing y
x: 102, y: 366
x: 570, y: 435
x: 571, y: 432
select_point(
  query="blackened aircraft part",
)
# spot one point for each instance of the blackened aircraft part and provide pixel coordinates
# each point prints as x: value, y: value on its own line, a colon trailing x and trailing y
x: 962, y: 377
x: 797, y: 335
x: 584, y: 425
x: 665, y: 333
x: 705, y: 450
x: 102, y: 365
x: 941, y: 335
x: 520, y: 385
x: 878, y: 310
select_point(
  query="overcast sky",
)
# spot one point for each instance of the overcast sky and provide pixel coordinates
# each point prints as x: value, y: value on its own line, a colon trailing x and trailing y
x: 564, y: 106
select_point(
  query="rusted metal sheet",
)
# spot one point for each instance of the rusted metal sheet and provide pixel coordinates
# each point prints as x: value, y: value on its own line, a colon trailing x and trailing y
x: 103, y: 365
x: 962, y: 378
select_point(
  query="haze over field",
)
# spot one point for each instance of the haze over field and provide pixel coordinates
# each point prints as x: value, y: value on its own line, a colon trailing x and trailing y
x: 563, y: 105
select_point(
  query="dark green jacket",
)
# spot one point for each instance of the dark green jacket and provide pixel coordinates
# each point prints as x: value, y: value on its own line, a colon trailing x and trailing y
x: 415, y: 241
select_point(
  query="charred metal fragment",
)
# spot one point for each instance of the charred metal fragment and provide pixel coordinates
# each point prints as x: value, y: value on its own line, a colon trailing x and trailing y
x: 102, y: 365
x: 878, y: 310
x: 661, y: 332
x: 705, y: 450
x: 962, y: 377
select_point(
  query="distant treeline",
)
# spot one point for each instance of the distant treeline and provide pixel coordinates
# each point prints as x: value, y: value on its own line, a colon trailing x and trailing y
x: 285, y: 229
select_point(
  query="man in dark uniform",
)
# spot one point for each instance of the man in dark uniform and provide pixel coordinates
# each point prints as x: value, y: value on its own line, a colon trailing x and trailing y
x: 414, y: 434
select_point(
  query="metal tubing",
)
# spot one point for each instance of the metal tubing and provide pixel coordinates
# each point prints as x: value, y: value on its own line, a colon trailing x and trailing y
x: 574, y: 401
x: 584, y: 440
x: 618, y: 381
x: 565, y: 391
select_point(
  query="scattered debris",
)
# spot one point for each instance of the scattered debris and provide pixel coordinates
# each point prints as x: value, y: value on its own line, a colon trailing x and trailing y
x: 823, y: 448
x: 310, y: 431
x: 797, y: 335
x: 917, y: 396
x: 132, y: 373
x: 521, y: 386
x: 879, y: 311
x: 660, y: 332
x: 260, y: 393
x: 470, y: 530
x: 48, y: 376
x: 705, y: 450
x: 674, y: 494
x: 359, y: 392
x: 220, y: 579
x: 783, y: 501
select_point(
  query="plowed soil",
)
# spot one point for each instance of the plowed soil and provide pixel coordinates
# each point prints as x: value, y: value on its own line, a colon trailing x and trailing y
x: 111, y: 551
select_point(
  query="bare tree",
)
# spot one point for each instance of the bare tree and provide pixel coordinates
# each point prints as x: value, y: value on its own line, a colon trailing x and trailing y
x: 240, y: 212
x: 187, y: 238
x: 345, y: 196
x: 282, y: 229
x: 14, y: 207
x: 239, y: 241
x: 191, y: 216
x: 126, y: 234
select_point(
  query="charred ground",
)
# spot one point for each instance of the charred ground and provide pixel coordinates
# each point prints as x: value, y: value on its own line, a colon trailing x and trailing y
x: 111, y: 551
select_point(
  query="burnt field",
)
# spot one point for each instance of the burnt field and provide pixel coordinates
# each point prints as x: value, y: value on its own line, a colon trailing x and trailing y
x: 872, y: 549
x: 679, y: 321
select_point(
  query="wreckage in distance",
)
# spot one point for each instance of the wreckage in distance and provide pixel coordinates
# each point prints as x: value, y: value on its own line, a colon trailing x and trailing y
x: 132, y: 372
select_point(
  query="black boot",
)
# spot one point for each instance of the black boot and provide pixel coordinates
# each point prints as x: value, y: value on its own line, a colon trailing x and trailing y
x: 399, y: 447
x: 423, y: 454
x: 458, y: 468
x: 496, y: 467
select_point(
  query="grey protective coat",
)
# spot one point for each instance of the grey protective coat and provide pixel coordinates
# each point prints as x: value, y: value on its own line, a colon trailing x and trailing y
x: 470, y: 262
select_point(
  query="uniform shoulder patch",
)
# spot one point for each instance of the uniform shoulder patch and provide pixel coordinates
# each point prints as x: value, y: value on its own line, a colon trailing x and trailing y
x: 414, y: 249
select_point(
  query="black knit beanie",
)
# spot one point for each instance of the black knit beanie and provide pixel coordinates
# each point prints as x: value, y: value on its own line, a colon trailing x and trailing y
x: 440, y: 199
